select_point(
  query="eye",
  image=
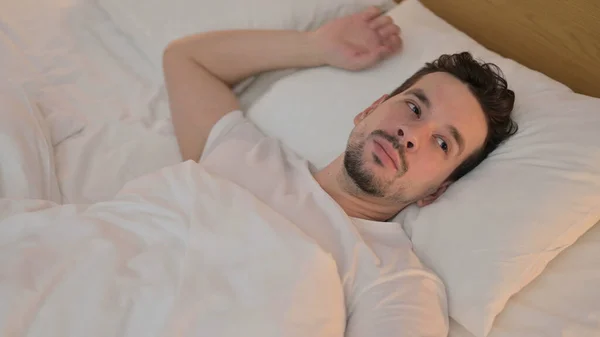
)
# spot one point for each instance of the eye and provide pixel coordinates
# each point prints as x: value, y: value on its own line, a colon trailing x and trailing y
x: 442, y: 143
x: 415, y: 109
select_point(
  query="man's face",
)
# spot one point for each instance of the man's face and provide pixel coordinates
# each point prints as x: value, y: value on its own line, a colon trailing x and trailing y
x: 402, y: 149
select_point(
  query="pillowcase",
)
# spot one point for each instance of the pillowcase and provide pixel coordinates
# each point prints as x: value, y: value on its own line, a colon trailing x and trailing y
x: 496, y: 229
x: 26, y: 154
x: 563, y: 301
x: 154, y: 24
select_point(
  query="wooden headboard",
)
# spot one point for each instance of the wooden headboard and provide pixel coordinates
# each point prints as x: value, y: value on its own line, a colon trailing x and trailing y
x: 560, y: 38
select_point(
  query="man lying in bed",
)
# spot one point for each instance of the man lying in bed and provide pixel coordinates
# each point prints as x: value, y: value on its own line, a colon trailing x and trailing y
x: 407, y: 147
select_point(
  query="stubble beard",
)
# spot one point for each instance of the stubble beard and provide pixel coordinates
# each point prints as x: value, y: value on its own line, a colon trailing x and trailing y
x: 361, y: 181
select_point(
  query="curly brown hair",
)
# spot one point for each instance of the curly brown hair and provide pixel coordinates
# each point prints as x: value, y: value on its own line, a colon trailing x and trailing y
x: 486, y: 82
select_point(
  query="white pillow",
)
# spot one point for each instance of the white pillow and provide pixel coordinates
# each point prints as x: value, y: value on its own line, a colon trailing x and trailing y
x: 563, y: 301
x: 497, y: 228
x: 152, y: 24
x: 26, y: 154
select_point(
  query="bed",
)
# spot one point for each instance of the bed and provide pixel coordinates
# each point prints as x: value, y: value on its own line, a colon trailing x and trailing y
x: 92, y: 84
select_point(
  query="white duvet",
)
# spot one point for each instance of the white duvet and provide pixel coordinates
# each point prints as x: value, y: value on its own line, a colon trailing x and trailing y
x: 180, y: 252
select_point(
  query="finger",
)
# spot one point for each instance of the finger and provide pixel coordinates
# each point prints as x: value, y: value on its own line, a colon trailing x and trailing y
x: 388, y: 30
x: 380, y: 21
x: 368, y: 57
x: 385, y: 52
x: 379, y: 54
x: 370, y: 13
x: 366, y: 60
x: 394, y: 42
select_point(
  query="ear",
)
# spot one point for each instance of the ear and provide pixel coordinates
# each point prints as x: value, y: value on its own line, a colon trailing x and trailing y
x: 370, y: 109
x: 433, y: 196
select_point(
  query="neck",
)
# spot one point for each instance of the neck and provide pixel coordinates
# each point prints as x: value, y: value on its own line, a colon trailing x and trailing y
x: 355, y: 202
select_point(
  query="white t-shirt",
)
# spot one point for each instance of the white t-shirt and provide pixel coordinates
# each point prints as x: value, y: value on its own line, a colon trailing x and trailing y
x: 387, y: 290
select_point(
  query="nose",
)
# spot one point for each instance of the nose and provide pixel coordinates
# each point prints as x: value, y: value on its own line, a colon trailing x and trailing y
x: 409, y: 138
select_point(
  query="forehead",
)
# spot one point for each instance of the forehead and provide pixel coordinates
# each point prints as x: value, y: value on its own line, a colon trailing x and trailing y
x: 452, y: 103
x: 450, y: 94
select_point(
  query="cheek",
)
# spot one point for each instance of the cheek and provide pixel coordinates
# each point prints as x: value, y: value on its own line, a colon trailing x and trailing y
x: 428, y: 168
x: 386, y: 119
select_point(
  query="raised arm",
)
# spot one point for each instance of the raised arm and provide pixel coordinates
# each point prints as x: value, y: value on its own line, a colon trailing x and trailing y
x: 201, y: 69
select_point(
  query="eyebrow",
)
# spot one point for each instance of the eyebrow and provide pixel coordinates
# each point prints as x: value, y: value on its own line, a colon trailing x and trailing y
x: 420, y: 94
x: 458, y: 138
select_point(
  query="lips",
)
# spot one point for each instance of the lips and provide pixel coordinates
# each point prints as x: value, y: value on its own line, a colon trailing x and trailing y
x: 389, y: 151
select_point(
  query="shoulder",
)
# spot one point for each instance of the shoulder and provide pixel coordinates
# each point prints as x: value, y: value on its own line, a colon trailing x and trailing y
x: 237, y: 150
x: 233, y: 126
x: 403, y: 292
x: 390, y: 244
x: 394, y: 253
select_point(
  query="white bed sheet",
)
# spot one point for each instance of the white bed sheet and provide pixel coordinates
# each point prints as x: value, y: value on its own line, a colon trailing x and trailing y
x: 52, y: 47
x: 76, y: 64
x: 146, y: 263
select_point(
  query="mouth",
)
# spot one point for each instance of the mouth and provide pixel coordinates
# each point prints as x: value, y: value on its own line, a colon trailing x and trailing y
x: 388, y: 152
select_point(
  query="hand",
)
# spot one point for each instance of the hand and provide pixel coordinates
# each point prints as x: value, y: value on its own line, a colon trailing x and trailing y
x: 358, y: 41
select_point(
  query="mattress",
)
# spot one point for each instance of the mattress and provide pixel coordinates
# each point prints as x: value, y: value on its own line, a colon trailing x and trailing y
x: 53, y: 48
